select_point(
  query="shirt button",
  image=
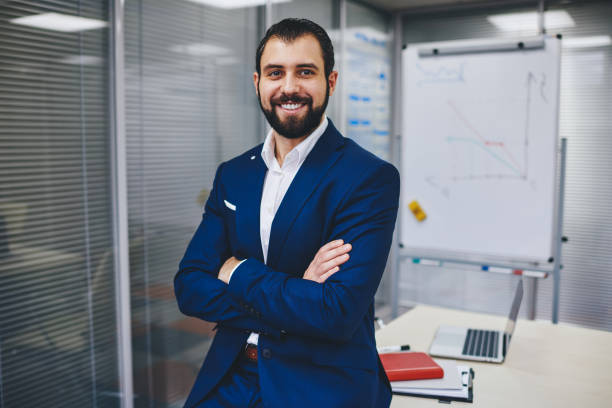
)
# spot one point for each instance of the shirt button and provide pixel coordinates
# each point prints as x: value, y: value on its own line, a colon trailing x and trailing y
x: 266, y: 353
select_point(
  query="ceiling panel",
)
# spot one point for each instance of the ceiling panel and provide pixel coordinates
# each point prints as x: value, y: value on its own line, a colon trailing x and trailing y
x: 406, y: 5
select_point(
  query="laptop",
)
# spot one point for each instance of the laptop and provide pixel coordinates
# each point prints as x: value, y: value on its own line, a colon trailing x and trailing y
x: 477, y: 344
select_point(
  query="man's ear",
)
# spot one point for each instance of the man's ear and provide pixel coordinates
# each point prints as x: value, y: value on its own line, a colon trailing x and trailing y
x: 256, y: 82
x: 333, y: 81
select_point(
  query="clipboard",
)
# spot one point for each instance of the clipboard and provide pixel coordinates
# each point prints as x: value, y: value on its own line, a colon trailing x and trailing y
x: 468, y: 389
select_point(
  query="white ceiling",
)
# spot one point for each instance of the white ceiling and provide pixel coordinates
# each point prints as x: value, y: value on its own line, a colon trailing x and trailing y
x: 400, y: 5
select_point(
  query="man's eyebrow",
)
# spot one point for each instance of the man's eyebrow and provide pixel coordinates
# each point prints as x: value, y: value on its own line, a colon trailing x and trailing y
x: 272, y: 66
x: 277, y: 66
x: 307, y: 66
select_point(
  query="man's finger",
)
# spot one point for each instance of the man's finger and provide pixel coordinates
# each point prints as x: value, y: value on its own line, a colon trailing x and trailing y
x: 330, y: 245
x: 327, y: 274
x: 339, y: 260
x: 335, y: 252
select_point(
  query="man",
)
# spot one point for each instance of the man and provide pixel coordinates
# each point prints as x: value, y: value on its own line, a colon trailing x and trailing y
x: 270, y: 261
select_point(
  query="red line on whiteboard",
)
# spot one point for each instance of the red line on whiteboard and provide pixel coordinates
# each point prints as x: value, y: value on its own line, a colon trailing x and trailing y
x: 482, y: 139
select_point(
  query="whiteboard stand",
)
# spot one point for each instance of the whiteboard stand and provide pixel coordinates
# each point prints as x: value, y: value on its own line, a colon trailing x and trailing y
x: 462, y: 62
x: 532, y: 275
x: 558, y: 266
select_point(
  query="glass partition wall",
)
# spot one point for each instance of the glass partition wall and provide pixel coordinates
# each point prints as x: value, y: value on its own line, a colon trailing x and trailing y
x: 190, y: 104
x: 58, y: 344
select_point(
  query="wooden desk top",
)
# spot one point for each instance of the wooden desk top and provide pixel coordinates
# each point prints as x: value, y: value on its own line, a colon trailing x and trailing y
x: 547, y: 365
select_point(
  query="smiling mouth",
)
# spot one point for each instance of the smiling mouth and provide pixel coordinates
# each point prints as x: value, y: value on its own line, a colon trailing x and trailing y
x: 291, y: 106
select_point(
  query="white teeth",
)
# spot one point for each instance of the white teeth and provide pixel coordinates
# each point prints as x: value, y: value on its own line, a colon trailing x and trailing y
x: 291, y: 106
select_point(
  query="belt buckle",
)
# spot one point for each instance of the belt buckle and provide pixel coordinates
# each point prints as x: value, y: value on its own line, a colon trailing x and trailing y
x: 250, y: 352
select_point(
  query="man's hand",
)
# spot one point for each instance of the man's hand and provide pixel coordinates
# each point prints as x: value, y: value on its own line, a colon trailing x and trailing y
x: 227, y: 268
x: 327, y: 261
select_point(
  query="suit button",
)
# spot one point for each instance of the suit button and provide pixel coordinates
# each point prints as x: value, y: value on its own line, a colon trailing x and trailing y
x: 283, y: 332
x: 266, y: 353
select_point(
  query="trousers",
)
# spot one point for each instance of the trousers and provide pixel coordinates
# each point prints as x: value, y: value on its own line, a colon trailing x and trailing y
x: 239, y: 388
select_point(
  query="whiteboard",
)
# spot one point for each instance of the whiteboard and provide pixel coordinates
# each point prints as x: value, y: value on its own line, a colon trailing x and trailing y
x: 479, y: 147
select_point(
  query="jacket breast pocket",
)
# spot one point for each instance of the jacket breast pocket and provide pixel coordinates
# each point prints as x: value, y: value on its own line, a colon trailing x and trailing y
x: 229, y: 215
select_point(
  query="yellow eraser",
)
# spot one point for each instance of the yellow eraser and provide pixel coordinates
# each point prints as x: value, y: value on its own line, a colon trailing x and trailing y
x: 418, y: 212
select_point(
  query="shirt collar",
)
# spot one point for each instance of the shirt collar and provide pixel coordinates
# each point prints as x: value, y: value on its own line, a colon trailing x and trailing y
x: 298, y: 154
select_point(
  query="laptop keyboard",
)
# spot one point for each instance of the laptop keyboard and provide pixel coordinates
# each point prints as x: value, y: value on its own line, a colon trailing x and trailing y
x: 481, y: 343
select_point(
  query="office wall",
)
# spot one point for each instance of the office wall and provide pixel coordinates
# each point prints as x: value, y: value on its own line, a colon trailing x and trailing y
x: 57, y: 309
x: 190, y: 104
x: 586, y: 97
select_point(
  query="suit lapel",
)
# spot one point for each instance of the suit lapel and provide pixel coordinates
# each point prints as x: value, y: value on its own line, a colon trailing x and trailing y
x: 247, y: 216
x: 323, y: 155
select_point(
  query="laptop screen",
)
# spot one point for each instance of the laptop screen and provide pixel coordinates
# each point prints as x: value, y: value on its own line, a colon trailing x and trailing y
x: 516, y: 304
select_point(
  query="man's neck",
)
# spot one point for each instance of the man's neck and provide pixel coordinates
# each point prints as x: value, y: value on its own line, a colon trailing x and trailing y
x: 283, y: 145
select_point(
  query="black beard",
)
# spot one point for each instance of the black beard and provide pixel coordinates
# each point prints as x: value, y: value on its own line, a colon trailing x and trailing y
x: 294, y: 128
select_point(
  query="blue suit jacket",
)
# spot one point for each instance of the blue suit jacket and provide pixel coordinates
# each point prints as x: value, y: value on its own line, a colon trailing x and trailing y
x: 316, y: 345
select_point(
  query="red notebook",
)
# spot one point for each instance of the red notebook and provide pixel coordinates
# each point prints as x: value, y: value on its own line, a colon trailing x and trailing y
x: 410, y: 366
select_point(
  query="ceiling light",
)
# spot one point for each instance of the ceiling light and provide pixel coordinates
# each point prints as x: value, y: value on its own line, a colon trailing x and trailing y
x: 234, y: 4
x: 59, y: 22
x: 529, y: 21
x: 585, y: 42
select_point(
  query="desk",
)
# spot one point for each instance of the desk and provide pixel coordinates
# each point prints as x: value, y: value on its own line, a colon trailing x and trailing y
x: 547, y: 365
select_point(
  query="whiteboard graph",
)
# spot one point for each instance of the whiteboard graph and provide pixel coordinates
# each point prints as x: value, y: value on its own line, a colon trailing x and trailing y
x: 511, y: 155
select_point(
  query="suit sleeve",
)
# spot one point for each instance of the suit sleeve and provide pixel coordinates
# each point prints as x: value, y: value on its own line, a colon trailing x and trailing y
x: 198, y: 291
x: 334, y: 309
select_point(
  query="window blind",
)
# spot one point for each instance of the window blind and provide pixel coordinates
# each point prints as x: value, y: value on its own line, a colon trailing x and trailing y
x: 57, y: 314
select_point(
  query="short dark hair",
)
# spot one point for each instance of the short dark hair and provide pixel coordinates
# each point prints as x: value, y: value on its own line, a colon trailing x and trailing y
x: 290, y: 29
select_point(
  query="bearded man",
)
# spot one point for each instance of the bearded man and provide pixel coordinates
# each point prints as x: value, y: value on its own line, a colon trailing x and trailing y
x: 291, y: 248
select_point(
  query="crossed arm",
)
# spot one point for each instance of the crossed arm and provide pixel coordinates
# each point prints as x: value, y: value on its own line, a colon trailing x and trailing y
x: 330, y: 299
x: 325, y: 263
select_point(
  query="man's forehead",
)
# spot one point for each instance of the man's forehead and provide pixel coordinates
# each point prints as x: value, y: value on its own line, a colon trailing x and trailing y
x: 302, y: 50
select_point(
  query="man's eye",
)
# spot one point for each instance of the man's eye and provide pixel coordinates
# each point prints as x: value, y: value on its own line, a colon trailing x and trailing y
x: 274, y: 73
x: 307, y: 72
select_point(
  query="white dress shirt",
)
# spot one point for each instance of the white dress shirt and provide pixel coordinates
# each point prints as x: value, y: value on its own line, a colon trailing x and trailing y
x: 276, y: 183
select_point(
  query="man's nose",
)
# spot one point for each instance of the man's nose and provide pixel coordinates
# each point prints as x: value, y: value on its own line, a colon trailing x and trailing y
x: 290, y: 85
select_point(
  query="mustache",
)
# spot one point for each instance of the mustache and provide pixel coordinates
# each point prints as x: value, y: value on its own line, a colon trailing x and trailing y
x: 295, y: 98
